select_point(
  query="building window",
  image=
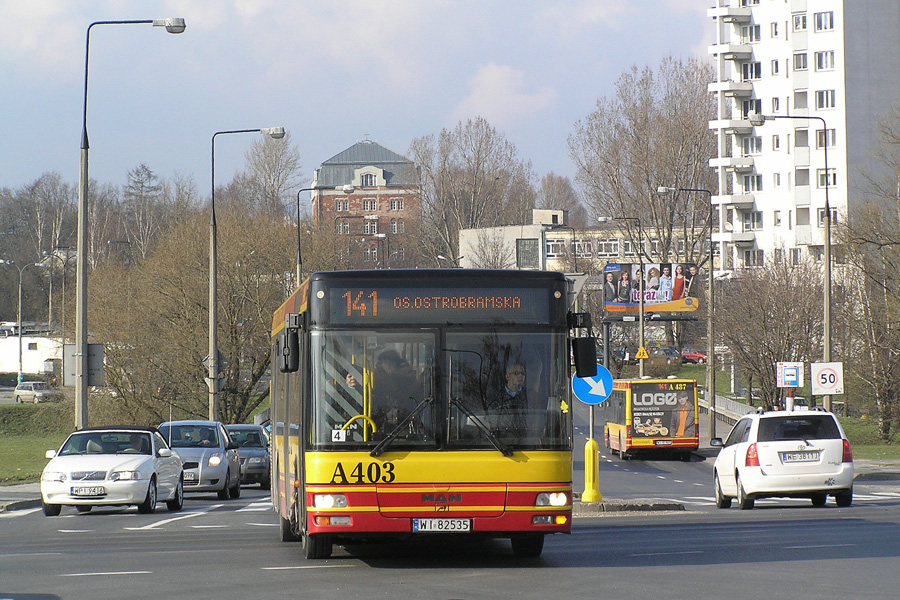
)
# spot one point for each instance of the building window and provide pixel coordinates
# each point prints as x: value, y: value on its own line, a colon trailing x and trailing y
x: 583, y: 248
x: 753, y: 183
x: 826, y: 178
x: 803, y: 216
x: 370, y: 254
x: 801, y: 177
x: 776, y: 142
x: 750, y: 33
x: 342, y: 227
x: 776, y: 218
x: 607, y: 248
x: 773, y: 30
x: 751, y: 106
x: 370, y: 204
x: 367, y: 180
x: 555, y: 248
x: 776, y: 104
x: 370, y: 226
x: 801, y: 138
x: 749, y: 2
x: 397, y: 254
x: 825, y: 99
x: 341, y: 205
x: 821, y: 216
x: 825, y: 138
x: 776, y: 179
x: 795, y: 256
x: 800, y: 61
x: 825, y: 60
x: 824, y: 21
x: 751, y: 71
x: 752, y: 145
x: 775, y: 67
x: 800, y: 22
x: 753, y: 220
x: 800, y: 100
x: 754, y: 258
x: 396, y: 203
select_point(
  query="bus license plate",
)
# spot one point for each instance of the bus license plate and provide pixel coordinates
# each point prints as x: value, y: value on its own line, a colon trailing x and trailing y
x: 794, y: 457
x: 88, y: 491
x: 441, y: 525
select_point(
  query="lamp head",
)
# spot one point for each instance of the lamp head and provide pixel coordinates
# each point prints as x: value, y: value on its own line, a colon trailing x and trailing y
x: 757, y: 119
x: 665, y: 190
x: 347, y: 188
x: 274, y: 132
x: 604, y: 219
x: 172, y: 24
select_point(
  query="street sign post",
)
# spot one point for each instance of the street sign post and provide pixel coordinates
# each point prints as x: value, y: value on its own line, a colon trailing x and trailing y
x: 593, y: 390
x: 789, y: 374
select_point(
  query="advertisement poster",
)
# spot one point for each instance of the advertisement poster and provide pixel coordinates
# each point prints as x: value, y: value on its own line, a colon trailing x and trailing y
x: 668, y: 287
x: 663, y: 410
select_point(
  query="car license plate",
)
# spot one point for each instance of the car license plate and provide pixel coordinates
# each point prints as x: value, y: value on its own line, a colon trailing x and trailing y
x: 441, y: 525
x: 795, y: 457
x: 190, y: 476
x: 88, y: 491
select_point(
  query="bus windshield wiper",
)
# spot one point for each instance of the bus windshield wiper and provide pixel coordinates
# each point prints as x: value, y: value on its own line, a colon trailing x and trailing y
x: 389, y: 438
x: 496, y: 443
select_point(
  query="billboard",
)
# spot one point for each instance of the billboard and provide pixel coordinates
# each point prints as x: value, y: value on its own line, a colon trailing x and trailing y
x: 668, y: 287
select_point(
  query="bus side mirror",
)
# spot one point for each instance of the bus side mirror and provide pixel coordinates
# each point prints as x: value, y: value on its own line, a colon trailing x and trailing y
x: 584, y: 350
x: 289, y: 352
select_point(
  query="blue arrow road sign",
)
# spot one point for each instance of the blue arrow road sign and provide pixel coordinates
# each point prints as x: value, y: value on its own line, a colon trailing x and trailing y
x: 593, y: 390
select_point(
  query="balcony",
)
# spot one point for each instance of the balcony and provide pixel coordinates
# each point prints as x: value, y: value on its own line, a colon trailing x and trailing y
x: 732, y: 89
x: 739, y: 164
x: 732, y: 51
x: 730, y: 14
x: 739, y: 201
x: 738, y: 238
x: 732, y: 126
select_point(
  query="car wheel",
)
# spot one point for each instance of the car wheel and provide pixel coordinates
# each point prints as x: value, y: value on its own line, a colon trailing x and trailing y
x: 84, y: 508
x: 177, y: 501
x: 235, y: 491
x: 149, y: 503
x: 744, y: 503
x: 266, y: 484
x: 527, y: 546
x: 18, y: 400
x: 722, y: 501
x: 316, y: 546
x: 844, y: 499
x: 818, y: 499
x: 287, y: 532
x: 223, y: 493
x: 51, y: 510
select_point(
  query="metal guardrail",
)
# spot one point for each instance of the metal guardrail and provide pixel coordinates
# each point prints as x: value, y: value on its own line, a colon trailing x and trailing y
x: 727, y: 410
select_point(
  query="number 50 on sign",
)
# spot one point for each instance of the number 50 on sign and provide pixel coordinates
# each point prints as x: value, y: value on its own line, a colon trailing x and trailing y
x: 827, y: 378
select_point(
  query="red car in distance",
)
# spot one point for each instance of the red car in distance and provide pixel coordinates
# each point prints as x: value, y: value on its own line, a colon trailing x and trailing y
x: 692, y: 355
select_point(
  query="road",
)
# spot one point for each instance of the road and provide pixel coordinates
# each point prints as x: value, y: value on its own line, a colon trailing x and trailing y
x: 230, y: 549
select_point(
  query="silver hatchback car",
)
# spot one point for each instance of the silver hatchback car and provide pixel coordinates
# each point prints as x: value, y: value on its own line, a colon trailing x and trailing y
x: 211, y: 461
x: 254, y: 451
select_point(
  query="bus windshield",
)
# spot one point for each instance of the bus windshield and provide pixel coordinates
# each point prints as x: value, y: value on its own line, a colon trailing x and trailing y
x: 431, y: 389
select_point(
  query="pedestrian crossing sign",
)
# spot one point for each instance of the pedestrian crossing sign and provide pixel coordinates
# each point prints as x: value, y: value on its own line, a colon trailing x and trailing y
x: 642, y: 354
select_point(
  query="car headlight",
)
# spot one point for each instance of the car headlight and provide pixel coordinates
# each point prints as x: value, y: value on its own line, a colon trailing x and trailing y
x: 215, y: 460
x: 330, y: 500
x: 255, y: 460
x: 551, y: 499
x: 124, y: 475
x: 53, y: 476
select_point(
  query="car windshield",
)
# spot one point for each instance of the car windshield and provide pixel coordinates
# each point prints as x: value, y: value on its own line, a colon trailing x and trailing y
x: 190, y: 436
x: 246, y: 438
x: 107, y: 442
x: 793, y: 427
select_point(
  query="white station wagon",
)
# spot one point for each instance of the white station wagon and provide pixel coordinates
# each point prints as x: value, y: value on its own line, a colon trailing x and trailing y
x: 797, y: 454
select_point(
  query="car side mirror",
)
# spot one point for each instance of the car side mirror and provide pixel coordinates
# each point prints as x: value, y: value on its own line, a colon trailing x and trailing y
x: 164, y: 453
x: 716, y: 442
x: 50, y: 454
x: 231, y: 446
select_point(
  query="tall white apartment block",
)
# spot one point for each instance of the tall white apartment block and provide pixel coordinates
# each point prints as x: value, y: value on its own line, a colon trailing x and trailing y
x: 836, y: 60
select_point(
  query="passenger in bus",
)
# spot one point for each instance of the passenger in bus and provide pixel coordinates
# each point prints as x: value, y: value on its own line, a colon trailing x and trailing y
x: 395, y: 390
x: 511, y: 404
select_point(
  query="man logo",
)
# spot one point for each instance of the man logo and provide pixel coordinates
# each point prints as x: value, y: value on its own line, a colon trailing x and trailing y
x: 441, y: 498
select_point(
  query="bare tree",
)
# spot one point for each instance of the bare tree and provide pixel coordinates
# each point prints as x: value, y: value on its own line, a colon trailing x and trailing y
x: 557, y: 192
x: 143, y: 213
x: 769, y: 315
x: 471, y: 178
x: 653, y: 132
x: 273, y: 171
x: 491, y: 252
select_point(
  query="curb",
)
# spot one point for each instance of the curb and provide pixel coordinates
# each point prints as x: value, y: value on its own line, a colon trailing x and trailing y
x: 19, y: 505
x: 584, y: 509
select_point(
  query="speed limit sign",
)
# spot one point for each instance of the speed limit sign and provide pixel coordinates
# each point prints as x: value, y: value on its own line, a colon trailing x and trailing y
x: 827, y: 378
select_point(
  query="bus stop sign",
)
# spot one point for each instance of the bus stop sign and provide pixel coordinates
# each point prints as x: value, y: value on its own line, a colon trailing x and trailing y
x: 593, y: 390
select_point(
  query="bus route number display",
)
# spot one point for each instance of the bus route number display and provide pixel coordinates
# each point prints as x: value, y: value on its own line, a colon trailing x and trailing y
x: 415, y: 305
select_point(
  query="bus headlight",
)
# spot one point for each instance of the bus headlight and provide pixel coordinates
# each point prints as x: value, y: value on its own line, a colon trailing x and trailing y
x: 552, y: 499
x: 329, y: 500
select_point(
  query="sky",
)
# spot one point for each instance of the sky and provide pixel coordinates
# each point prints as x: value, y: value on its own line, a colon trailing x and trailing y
x: 331, y: 72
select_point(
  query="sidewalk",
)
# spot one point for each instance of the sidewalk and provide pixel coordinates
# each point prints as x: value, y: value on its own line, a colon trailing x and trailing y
x: 28, y: 495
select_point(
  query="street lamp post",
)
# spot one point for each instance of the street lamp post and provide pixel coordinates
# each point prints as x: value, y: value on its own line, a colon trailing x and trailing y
x: 757, y: 120
x: 19, y: 310
x: 710, y: 343
x: 173, y: 25
x: 213, y: 359
x: 347, y: 189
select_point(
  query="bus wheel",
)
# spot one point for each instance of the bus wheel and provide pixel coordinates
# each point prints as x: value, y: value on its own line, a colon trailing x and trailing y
x: 526, y: 546
x: 287, y: 532
x: 316, y: 545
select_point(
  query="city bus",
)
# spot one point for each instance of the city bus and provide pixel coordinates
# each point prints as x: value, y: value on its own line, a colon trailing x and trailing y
x: 652, y: 416
x: 391, y: 416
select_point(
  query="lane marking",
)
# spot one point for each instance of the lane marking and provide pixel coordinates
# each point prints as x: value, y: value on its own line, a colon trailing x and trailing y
x: 210, y: 526
x: 297, y: 567
x: 807, y: 547
x: 106, y: 573
x: 76, y: 530
x: 152, y: 526
x: 18, y: 513
x: 668, y: 553
x: 264, y: 524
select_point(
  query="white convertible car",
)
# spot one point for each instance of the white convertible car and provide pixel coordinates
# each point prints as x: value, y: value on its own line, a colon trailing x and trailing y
x: 112, y: 466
